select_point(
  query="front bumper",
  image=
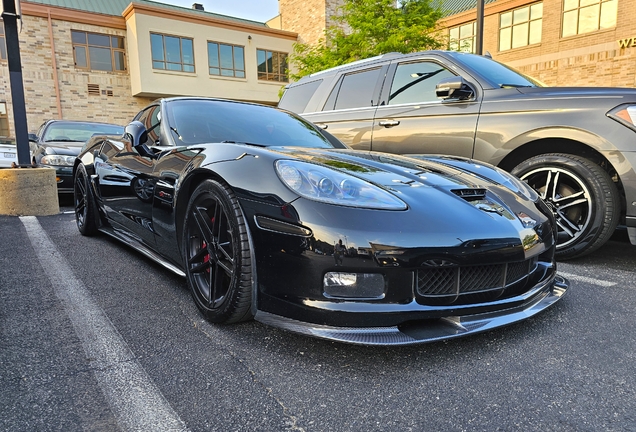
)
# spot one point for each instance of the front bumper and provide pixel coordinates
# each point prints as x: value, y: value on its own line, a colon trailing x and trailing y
x: 415, y: 332
x: 63, y: 178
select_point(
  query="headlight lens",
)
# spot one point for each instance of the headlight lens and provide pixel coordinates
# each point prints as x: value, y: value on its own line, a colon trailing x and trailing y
x: 58, y: 160
x: 625, y: 114
x: 323, y: 184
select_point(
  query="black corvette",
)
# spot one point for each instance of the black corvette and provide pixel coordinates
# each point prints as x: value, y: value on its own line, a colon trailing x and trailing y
x: 271, y: 218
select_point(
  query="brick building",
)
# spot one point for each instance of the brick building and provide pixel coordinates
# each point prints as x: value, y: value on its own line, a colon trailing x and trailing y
x: 560, y: 42
x: 104, y: 60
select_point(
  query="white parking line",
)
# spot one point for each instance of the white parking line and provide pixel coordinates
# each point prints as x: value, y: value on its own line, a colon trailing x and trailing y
x: 587, y: 279
x: 135, y: 401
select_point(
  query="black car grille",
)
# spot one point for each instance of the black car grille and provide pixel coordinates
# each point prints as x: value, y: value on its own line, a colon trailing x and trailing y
x: 459, y: 284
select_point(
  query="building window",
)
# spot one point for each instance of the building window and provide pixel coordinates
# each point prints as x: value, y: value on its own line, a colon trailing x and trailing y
x: 226, y: 60
x: 584, y: 16
x: 94, y: 51
x: 3, y: 42
x: 462, y: 38
x: 4, y: 120
x: 272, y: 65
x: 172, y: 53
x: 520, y: 27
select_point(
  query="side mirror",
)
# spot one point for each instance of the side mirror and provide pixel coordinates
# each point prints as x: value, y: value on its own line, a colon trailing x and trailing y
x: 33, y: 137
x: 453, y: 88
x: 136, y: 133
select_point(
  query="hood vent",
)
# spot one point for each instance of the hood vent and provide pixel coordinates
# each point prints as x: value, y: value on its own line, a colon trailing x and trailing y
x: 470, y: 194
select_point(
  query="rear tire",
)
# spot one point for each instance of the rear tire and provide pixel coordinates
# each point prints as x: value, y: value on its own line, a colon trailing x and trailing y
x: 217, y: 254
x: 86, y: 213
x: 584, y: 198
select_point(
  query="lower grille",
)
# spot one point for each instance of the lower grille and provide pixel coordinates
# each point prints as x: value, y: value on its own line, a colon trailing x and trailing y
x: 449, y: 284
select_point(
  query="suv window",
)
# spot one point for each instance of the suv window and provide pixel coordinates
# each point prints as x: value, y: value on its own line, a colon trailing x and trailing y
x: 297, y: 97
x: 354, y: 90
x: 415, y: 82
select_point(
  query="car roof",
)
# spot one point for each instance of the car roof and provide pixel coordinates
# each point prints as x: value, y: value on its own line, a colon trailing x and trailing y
x: 369, y: 61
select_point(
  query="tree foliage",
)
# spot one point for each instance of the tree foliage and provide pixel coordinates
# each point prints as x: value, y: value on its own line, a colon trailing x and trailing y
x: 366, y: 28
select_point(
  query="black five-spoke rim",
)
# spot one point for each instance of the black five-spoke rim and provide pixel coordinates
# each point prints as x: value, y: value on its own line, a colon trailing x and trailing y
x: 211, y: 258
x: 80, y: 198
x: 569, y: 197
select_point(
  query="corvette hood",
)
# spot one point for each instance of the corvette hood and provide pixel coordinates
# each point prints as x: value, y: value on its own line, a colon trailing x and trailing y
x: 395, y: 171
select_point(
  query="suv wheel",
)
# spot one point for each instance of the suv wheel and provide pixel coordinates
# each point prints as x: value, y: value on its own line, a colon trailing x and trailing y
x: 585, y: 200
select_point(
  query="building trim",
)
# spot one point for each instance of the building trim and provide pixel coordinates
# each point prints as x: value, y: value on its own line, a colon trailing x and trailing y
x: 56, y: 82
x: 73, y: 15
x: 199, y: 19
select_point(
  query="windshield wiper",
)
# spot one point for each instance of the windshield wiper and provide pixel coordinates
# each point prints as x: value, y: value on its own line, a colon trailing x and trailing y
x: 514, y: 85
x: 63, y: 140
x: 243, y: 142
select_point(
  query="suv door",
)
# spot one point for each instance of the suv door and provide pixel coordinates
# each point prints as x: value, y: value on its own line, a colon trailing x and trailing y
x: 411, y: 118
x: 349, y: 110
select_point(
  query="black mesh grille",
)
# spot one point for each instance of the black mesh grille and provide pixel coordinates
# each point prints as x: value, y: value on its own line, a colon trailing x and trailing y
x: 479, y: 278
x: 516, y: 272
x: 438, y: 281
x: 490, y: 281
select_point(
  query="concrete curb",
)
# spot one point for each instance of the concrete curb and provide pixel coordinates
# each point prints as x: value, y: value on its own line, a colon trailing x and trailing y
x: 28, y: 192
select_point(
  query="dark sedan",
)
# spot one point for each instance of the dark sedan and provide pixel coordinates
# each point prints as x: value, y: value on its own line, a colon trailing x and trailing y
x: 272, y: 218
x: 58, y: 142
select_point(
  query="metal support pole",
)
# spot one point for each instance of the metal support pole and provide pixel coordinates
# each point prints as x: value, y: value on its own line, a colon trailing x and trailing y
x: 479, y: 40
x: 10, y: 19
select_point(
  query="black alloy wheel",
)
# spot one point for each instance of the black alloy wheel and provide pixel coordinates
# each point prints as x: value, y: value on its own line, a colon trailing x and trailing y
x: 217, y: 254
x: 86, y: 215
x: 584, y: 198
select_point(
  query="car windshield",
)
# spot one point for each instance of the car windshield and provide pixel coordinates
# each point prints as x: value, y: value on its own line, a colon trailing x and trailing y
x: 499, y: 75
x: 198, y: 121
x: 78, y: 131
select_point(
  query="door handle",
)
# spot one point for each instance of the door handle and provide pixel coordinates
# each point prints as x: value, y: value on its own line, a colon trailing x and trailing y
x: 389, y: 123
x: 322, y: 125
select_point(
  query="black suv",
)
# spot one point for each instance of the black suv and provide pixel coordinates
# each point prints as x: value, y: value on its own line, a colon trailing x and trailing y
x: 576, y: 146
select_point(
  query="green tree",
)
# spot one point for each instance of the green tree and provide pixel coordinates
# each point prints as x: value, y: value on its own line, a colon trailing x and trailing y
x: 367, y: 28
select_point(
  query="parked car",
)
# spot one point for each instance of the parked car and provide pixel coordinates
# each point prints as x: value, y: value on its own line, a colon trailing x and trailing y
x: 249, y: 202
x: 576, y: 146
x: 8, y: 154
x: 58, y: 142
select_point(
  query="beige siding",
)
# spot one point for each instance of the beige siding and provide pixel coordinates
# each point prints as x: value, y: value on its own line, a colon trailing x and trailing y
x: 148, y: 81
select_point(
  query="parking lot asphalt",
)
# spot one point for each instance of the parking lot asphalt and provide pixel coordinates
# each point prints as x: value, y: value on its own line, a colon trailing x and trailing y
x: 93, y: 336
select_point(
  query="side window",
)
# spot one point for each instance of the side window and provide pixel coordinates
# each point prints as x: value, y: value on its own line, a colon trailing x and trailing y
x: 296, y: 98
x: 354, y: 90
x: 172, y: 53
x: 4, y: 120
x: 3, y: 45
x: 94, y: 51
x: 415, y: 82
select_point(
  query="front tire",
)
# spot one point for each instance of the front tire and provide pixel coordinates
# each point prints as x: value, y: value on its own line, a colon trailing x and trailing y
x: 584, y: 198
x: 86, y: 213
x: 217, y: 254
